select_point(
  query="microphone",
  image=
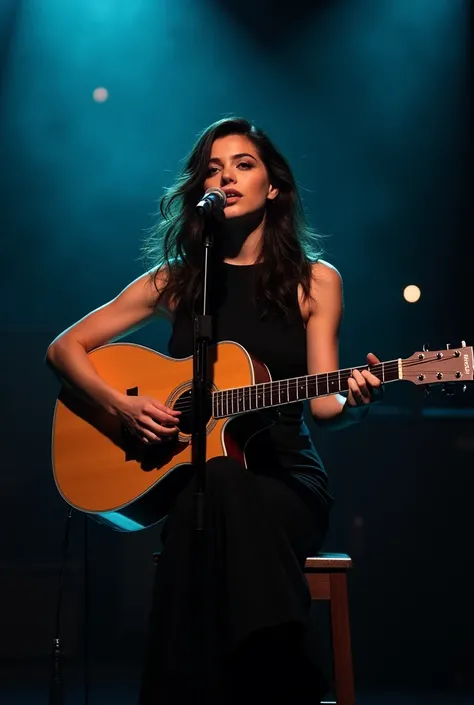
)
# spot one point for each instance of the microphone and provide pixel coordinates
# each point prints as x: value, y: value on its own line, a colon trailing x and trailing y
x: 213, y: 199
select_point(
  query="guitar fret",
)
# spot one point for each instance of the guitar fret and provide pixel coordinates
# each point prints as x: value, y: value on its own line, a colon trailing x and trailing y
x: 320, y: 382
x: 287, y: 391
x: 344, y: 386
x: 268, y: 394
x: 298, y: 388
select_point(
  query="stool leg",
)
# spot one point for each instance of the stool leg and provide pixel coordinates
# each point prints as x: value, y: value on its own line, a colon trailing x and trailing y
x: 341, y: 640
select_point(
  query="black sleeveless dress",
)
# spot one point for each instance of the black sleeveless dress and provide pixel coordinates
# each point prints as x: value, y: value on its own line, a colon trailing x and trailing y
x: 231, y: 603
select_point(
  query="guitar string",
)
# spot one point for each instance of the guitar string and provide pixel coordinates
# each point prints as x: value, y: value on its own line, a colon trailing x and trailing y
x: 332, y: 376
x: 293, y: 384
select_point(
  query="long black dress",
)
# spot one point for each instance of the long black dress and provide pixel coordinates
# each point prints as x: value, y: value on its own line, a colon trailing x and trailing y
x: 231, y: 603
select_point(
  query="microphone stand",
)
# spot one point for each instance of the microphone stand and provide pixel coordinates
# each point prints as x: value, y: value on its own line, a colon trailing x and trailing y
x: 201, y: 382
x: 214, y: 198
x: 200, y: 416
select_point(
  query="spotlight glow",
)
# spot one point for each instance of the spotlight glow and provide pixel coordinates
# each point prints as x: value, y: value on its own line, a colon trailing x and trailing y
x: 411, y: 293
x: 100, y: 95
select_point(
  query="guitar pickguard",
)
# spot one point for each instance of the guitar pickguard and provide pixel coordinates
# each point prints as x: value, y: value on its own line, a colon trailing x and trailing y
x: 239, y: 433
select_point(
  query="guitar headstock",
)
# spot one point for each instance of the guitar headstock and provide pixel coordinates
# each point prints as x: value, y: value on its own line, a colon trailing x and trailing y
x: 440, y: 366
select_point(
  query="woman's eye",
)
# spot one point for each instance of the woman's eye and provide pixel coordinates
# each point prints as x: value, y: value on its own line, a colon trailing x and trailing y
x: 211, y: 171
x: 245, y: 165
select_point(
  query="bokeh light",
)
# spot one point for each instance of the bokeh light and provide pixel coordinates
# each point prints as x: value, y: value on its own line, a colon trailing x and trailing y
x: 100, y: 95
x: 411, y: 293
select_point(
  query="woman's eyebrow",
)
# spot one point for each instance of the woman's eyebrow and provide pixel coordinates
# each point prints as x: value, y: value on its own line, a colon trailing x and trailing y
x: 234, y: 157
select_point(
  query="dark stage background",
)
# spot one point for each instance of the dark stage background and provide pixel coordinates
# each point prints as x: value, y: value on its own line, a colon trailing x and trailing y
x: 371, y: 103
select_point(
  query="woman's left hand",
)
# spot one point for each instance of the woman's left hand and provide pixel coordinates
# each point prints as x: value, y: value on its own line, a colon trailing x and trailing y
x: 364, y: 387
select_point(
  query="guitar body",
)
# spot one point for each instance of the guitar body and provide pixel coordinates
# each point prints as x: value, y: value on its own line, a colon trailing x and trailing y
x: 101, y: 469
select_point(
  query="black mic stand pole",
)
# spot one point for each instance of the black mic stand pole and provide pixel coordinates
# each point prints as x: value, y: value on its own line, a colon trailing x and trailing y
x: 201, y: 382
x: 200, y: 417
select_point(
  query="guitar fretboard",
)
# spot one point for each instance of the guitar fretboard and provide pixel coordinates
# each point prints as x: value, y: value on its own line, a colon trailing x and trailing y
x: 239, y: 400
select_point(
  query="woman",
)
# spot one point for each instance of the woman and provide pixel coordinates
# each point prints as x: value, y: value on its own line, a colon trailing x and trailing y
x: 232, y: 624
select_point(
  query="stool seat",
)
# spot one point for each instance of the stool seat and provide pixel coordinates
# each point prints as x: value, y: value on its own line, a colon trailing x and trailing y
x: 329, y: 561
x: 323, y: 561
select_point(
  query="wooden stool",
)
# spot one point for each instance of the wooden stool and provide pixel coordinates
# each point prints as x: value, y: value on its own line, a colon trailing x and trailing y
x: 326, y: 574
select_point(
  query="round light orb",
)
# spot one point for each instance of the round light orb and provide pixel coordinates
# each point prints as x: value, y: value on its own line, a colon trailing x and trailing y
x: 100, y: 95
x: 411, y: 293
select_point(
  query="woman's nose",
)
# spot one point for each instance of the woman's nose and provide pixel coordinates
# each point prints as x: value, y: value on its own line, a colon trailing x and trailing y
x: 227, y: 177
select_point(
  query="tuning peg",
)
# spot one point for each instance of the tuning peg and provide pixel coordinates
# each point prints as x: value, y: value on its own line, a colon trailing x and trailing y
x: 427, y: 391
x: 463, y: 343
x: 426, y: 347
x: 464, y: 388
x: 448, y: 345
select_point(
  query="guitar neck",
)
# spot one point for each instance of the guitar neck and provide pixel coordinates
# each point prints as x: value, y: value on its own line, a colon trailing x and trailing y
x: 239, y: 400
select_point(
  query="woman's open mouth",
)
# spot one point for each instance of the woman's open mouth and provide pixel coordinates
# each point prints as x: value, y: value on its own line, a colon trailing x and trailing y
x: 232, y: 199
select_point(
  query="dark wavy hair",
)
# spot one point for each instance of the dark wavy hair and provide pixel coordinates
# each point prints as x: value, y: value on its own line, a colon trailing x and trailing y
x: 289, y: 247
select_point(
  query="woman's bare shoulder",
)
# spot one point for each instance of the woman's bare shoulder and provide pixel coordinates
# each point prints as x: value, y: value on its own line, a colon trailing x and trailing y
x: 326, y: 273
x: 156, y: 280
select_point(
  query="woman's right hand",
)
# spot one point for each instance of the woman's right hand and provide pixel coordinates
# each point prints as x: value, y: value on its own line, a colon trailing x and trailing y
x: 148, y: 419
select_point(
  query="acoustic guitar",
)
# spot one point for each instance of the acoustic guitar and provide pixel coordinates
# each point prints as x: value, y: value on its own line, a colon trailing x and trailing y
x: 102, y: 469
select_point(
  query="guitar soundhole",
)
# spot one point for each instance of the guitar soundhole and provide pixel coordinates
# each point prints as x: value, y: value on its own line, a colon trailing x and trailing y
x: 184, y: 403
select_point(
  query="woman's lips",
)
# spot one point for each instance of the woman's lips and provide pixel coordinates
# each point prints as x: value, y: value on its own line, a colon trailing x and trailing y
x: 232, y: 199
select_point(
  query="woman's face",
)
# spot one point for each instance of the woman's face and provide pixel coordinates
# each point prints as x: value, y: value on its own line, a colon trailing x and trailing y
x: 236, y: 168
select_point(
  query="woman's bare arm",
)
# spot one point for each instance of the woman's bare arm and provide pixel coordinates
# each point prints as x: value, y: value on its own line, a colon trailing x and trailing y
x: 135, y: 306
x: 322, y: 333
